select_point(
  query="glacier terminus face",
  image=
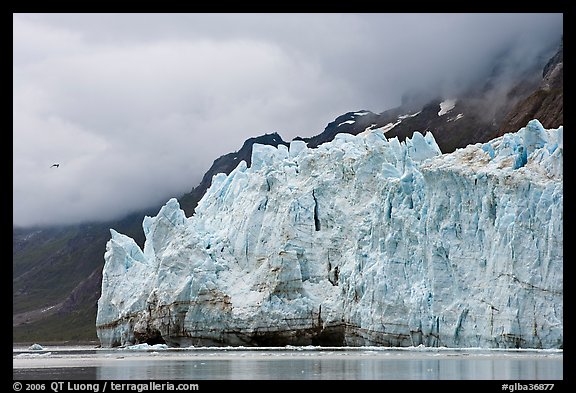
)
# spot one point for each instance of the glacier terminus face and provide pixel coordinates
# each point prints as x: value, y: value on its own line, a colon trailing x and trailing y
x: 361, y: 241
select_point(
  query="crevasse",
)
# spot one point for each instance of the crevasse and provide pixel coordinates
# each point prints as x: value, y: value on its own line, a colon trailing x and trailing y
x: 361, y: 241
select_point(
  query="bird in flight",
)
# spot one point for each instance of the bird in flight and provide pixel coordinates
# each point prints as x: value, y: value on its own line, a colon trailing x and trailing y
x: 55, y: 165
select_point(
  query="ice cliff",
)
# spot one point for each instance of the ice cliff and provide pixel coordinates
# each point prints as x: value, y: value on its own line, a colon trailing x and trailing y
x: 361, y: 241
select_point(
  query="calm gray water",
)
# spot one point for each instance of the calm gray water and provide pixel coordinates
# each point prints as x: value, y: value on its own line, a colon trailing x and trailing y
x: 308, y: 364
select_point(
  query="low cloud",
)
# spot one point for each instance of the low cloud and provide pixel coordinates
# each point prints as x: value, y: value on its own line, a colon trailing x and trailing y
x: 135, y: 107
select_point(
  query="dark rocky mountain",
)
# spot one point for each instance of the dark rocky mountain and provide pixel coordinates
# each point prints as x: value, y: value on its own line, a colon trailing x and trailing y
x: 546, y: 103
x: 57, y: 271
x: 479, y: 114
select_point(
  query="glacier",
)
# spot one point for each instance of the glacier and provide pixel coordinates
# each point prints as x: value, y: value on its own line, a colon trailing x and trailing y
x: 360, y: 241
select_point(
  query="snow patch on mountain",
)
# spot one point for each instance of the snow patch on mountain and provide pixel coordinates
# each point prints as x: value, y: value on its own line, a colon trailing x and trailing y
x: 389, y: 126
x: 346, y: 122
x: 458, y: 117
x: 402, y: 117
x: 446, y: 106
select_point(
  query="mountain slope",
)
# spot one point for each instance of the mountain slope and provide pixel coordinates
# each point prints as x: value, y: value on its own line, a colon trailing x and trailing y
x: 57, y: 278
x: 546, y: 102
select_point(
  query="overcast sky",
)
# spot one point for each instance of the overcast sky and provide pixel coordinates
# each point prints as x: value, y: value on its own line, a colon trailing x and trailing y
x: 135, y: 107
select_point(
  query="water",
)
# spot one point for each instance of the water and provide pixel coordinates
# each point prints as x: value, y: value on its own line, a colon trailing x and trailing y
x: 307, y: 363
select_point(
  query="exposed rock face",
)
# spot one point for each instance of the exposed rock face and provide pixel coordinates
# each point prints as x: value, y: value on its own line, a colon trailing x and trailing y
x: 362, y: 241
x: 546, y: 103
x: 503, y: 103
